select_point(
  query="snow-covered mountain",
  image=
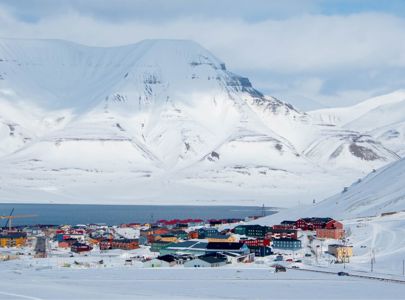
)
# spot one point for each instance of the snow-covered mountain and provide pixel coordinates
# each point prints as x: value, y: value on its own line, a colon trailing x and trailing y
x: 382, y: 117
x: 382, y: 191
x: 160, y: 121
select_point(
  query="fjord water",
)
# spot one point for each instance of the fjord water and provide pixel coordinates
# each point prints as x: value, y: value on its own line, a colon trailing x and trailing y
x: 118, y: 214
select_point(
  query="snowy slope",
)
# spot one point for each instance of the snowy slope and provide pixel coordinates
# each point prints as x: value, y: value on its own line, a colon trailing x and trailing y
x: 157, y: 121
x: 382, y: 191
x: 382, y: 117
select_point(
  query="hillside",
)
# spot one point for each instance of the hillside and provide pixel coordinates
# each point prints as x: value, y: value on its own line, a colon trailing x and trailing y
x: 380, y: 192
x: 160, y: 121
x: 381, y: 117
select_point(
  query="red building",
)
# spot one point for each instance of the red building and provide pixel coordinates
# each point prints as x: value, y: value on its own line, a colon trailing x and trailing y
x: 123, y: 244
x: 79, y: 247
x: 66, y: 243
x: 333, y: 224
x: 256, y: 242
x: 312, y: 223
x: 284, y: 226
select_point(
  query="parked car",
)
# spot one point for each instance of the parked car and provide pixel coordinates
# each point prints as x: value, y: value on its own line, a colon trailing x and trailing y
x: 279, y: 258
x: 295, y: 267
x: 308, y: 255
x: 280, y: 268
x: 289, y: 260
x: 298, y: 261
x: 343, y: 274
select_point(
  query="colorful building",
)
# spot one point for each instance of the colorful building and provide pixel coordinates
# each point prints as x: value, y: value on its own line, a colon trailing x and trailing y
x: 167, y: 238
x: 256, y: 242
x: 158, y: 246
x: 260, y: 251
x: 283, y: 233
x: 324, y: 233
x: 252, y: 230
x: 287, y: 244
x: 123, y: 244
x: 341, y: 252
x: 80, y: 247
x: 221, y: 239
x: 13, y: 239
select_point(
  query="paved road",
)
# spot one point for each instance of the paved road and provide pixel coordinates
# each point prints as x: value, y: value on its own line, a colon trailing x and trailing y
x: 40, y: 246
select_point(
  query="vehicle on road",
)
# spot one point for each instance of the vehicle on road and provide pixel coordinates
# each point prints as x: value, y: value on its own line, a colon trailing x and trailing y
x: 279, y: 268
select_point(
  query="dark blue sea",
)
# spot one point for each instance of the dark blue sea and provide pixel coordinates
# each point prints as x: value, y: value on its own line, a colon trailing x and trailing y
x: 57, y: 214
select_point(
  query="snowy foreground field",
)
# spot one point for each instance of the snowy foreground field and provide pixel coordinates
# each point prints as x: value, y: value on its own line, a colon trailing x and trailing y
x: 178, y: 283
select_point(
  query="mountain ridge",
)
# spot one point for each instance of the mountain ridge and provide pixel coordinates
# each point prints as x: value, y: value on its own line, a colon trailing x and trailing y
x: 161, y: 115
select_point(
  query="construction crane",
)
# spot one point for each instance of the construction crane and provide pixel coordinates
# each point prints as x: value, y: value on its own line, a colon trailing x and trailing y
x: 10, y: 218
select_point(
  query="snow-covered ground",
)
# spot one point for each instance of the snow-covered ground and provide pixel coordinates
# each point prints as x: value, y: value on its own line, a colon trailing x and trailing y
x: 181, y: 283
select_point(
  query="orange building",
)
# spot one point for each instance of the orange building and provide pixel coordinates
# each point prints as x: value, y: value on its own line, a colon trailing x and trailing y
x: 161, y: 231
x: 324, y: 233
x: 167, y: 238
x: 193, y: 235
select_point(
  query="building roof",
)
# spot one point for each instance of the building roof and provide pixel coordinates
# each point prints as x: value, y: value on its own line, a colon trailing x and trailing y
x: 251, y: 226
x: 317, y: 220
x: 282, y: 230
x: 186, y: 244
x: 224, y: 246
x: 191, y: 245
x: 167, y: 258
x: 213, y: 258
x: 287, y: 222
x: 200, y: 245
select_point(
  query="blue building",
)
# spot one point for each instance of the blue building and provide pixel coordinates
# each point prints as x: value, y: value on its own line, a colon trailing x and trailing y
x: 260, y: 251
x: 204, y: 233
x: 287, y: 244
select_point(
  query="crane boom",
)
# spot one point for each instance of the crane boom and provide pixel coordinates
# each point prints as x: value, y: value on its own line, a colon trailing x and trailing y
x: 9, y: 218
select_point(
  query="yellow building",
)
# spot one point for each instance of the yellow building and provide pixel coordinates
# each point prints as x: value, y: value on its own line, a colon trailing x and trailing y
x: 341, y: 252
x: 221, y: 239
x: 13, y: 239
x: 167, y: 238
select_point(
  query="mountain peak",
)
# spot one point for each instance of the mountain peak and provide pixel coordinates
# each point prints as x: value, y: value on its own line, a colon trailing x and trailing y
x: 160, y: 118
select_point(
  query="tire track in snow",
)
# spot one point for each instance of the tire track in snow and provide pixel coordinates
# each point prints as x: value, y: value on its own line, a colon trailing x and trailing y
x: 18, y: 296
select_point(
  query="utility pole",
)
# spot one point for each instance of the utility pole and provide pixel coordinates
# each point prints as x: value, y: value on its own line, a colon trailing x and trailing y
x: 372, y: 260
x: 403, y: 267
x: 372, y: 265
x: 263, y: 211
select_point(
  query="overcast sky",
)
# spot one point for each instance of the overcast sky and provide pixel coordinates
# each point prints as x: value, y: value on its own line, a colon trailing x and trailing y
x: 307, y: 52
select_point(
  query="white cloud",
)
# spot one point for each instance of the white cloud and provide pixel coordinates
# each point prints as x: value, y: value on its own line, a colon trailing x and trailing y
x: 322, y: 48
